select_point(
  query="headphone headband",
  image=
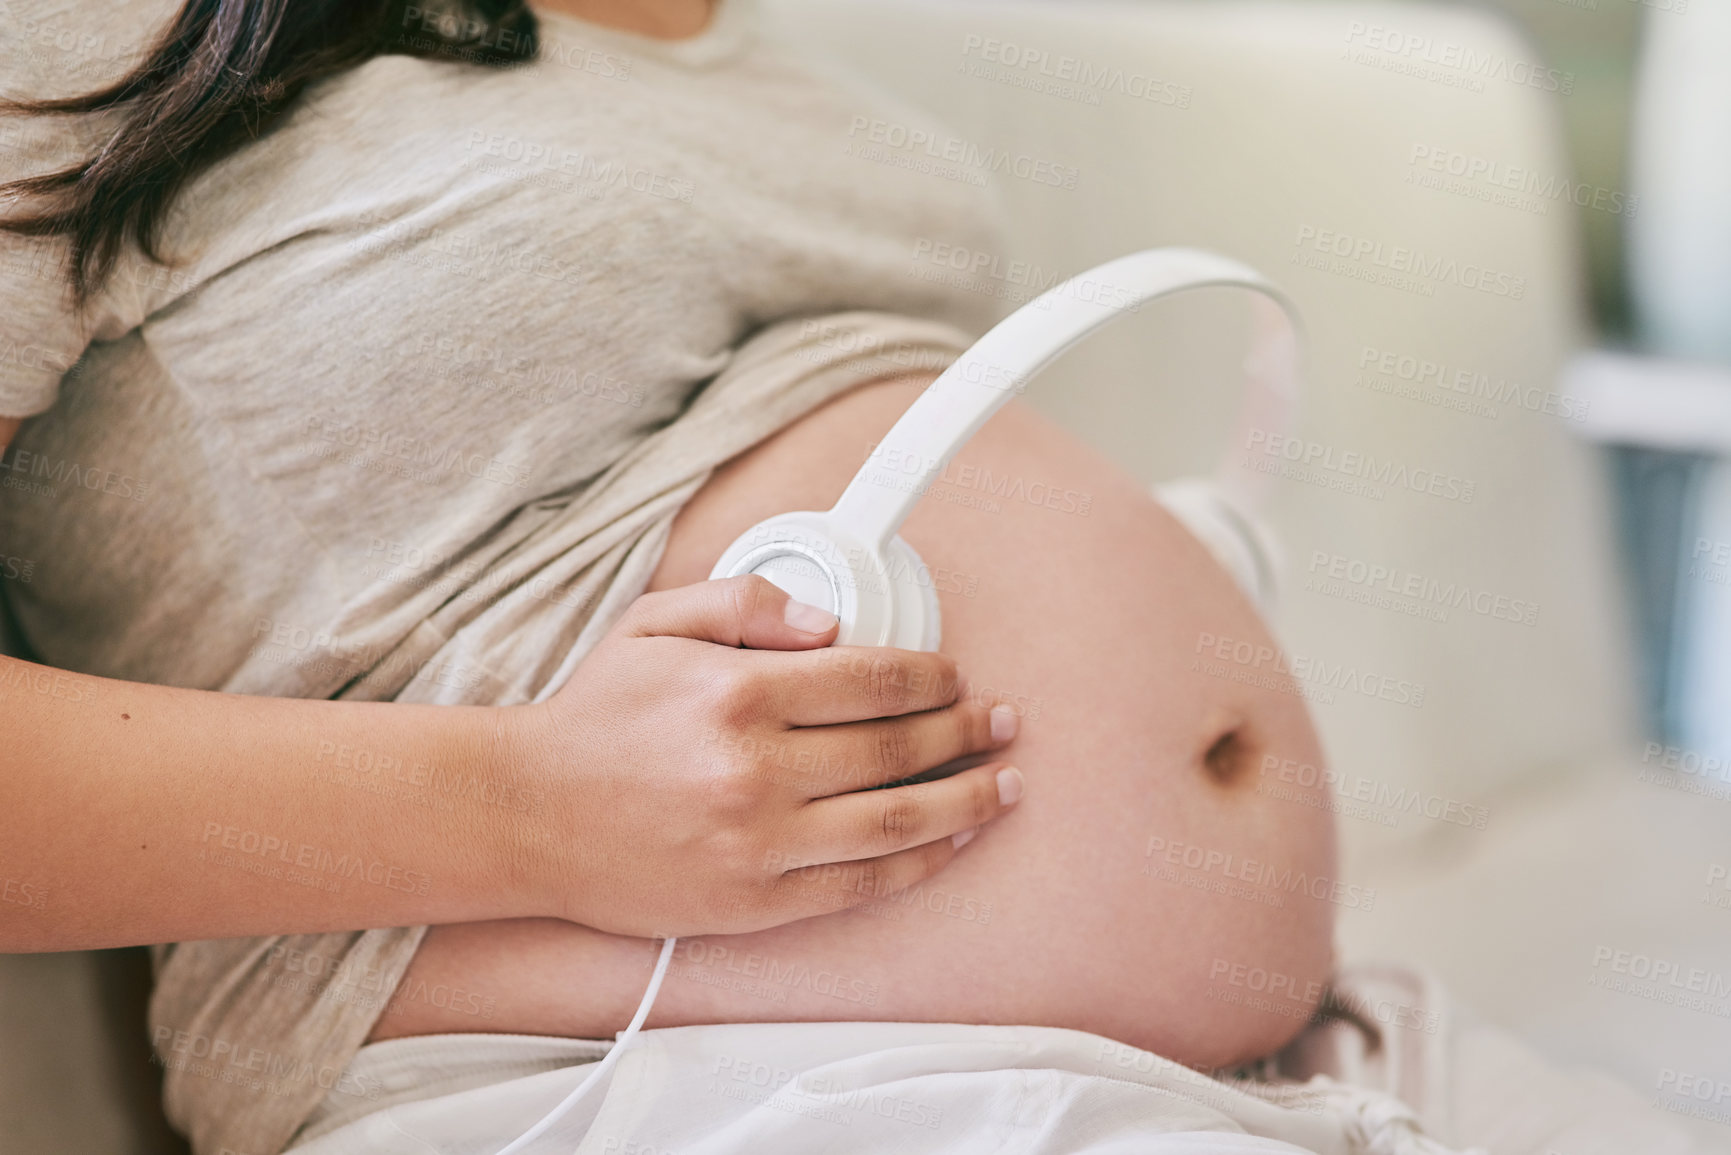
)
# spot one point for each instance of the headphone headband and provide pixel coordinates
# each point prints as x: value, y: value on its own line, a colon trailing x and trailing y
x: 999, y: 365
x: 850, y: 559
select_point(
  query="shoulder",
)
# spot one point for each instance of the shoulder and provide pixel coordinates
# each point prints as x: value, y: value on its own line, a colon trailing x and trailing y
x: 57, y: 48
x: 64, y: 47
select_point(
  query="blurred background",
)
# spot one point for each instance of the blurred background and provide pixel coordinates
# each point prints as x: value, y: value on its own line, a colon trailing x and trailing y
x: 1600, y: 43
x: 1650, y: 114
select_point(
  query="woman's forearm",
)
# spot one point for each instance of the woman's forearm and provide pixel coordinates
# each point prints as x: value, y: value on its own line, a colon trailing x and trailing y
x: 204, y: 815
x: 682, y: 781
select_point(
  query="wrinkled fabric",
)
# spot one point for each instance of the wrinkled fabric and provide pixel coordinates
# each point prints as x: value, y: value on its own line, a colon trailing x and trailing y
x: 1387, y: 1065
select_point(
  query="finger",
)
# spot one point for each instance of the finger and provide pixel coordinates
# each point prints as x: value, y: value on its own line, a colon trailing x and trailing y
x: 873, y: 823
x: 745, y: 611
x: 860, y: 755
x: 834, y: 886
x: 853, y: 683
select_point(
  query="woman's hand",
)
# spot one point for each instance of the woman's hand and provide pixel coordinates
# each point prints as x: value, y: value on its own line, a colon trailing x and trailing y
x: 686, y: 783
x: 712, y: 764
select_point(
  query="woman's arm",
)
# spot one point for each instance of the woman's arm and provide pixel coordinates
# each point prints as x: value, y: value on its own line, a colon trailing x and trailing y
x: 678, y: 784
x: 121, y: 801
x: 661, y: 792
x: 140, y: 813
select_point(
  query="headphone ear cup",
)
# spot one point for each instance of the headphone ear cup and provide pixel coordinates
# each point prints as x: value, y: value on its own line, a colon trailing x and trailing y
x: 916, y: 622
x: 1239, y: 540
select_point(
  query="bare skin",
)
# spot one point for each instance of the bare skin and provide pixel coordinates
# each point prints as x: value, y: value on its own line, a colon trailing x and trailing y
x: 661, y: 19
x: 1057, y: 913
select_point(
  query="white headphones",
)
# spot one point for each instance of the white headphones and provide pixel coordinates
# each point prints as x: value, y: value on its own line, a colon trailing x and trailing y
x: 851, y: 561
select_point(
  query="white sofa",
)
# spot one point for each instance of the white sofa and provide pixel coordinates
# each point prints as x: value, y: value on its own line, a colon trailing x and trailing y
x: 1263, y: 131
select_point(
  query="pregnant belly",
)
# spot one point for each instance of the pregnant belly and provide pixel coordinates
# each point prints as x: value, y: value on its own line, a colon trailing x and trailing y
x: 1145, y: 889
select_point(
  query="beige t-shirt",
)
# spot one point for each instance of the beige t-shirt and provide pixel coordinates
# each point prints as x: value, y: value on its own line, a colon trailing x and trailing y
x: 443, y: 356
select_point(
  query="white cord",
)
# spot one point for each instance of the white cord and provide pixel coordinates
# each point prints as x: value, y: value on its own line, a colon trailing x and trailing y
x: 522, y: 1141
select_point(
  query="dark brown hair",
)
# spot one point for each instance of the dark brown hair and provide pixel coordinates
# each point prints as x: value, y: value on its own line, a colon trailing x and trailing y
x: 221, y: 74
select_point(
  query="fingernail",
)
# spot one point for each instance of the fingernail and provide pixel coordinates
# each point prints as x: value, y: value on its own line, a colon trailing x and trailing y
x: 1004, y: 723
x: 1010, y: 785
x: 807, y: 618
x: 964, y: 837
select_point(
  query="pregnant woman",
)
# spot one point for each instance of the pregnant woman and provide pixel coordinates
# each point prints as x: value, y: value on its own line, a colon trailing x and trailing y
x: 477, y: 333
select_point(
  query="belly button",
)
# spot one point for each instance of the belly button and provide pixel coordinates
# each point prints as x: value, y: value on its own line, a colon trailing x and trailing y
x: 1229, y: 750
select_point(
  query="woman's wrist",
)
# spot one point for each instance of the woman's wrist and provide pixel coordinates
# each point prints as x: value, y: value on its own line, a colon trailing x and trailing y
x: 528, y: 838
